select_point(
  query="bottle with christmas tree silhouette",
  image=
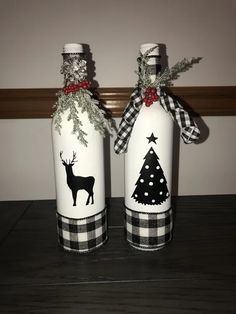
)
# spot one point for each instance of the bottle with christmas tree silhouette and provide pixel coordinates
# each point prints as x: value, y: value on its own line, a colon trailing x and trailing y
x: 148, y: 167
x: 145, y: 135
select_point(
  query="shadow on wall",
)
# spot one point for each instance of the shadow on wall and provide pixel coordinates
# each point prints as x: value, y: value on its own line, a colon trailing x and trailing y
x: 205, y: 131
x: 91, y: 68
x: 164, y: 57
x: 176, y: 149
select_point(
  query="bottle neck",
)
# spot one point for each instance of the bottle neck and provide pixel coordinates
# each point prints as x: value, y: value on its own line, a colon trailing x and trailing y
x: 74, y: 68
x: 154, y: 67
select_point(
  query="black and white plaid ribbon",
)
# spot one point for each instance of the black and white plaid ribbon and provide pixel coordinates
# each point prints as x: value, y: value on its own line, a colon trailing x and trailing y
x: 129, y: 117
x: 148, y: 231
x: 189, y: 130
x: 82, y: 235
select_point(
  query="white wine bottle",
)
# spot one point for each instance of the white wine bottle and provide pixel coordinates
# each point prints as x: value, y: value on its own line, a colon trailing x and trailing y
x: 145, y: 135
x: 78, y: 127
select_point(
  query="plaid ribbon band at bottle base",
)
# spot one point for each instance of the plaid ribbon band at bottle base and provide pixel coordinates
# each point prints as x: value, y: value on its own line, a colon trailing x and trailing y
x: 148, y: 231
x: 189, y: 130
x: 82, y: 235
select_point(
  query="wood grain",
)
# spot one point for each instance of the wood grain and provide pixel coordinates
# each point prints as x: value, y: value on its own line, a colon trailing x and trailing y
x: 11, y: 213
x: 37, y: 103
x: 145, y: 297
x: 195, y: 273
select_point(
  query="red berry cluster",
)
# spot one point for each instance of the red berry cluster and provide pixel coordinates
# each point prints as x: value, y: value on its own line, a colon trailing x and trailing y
x: 73, y: 88
x: 150, y: 96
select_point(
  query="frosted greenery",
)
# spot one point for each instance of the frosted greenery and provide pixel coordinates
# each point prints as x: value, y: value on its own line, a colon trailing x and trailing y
x: 73, y: 104
x: 164, y: 78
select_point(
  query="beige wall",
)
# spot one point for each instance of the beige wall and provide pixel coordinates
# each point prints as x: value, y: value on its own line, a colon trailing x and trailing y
x: 32, y: 35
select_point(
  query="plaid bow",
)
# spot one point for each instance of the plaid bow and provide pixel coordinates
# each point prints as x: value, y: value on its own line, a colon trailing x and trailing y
x: 189, y: 130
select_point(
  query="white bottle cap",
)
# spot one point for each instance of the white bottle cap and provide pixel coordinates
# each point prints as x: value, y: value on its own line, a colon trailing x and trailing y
x: 73, y: 48
x: 145, y: 47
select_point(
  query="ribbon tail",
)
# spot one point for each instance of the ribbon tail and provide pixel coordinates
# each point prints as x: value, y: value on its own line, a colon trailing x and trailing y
x: 128, y: 119
x: 188, y: 128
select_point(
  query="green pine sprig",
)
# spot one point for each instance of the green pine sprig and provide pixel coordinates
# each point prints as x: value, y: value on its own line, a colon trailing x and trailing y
x: 164, y: 78
x: 76, y: 103
x: 172, y: 74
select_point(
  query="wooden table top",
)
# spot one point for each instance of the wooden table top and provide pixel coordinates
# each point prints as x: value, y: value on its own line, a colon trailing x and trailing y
x: 195, y: 273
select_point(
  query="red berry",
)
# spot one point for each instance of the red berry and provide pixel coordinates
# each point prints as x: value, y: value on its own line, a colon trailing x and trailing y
x: 83, y: 84
x: 148, y: 102
x: 66, y: 90
x: 153, y: 96
x: 153, y: 90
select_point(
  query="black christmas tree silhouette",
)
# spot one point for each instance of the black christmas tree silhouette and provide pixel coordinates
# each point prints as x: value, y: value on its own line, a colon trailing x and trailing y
x: 151, y: 186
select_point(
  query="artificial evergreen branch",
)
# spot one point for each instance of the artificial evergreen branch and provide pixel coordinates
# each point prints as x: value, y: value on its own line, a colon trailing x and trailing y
x: 165, y: 78
x: 76, y: 103
x: 173, y: 73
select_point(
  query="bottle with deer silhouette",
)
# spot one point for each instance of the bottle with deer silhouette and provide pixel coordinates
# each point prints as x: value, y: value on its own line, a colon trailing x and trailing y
x: 148, y: 168
x: 78, y: 159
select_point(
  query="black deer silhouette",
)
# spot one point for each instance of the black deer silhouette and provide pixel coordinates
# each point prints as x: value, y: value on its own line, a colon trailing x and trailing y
x: 77, y: 183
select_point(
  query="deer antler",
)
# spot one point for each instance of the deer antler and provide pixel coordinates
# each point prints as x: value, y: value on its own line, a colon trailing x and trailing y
x: 61, y: 152
x: 63, y: 161
x: 74, y: 156
x: 70, y: 162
